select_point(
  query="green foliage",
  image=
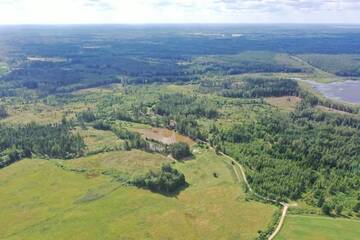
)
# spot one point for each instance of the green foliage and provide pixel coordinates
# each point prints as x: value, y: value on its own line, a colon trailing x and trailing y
x: 287, y: 157
x: 244, y: 62
x: 346, y: 65
x: 184, y: 105
x: 253, y: 88
x: 326, y: 208
x: 102, y: 125
x: 179, y: 150
x: 168, y: 180
x: 54, y: 141
x: 133, y: 140
x: 86, y: 116
x: 3, y: 112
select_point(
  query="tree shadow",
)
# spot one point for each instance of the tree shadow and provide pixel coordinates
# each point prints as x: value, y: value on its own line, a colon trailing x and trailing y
x: 173, y: 194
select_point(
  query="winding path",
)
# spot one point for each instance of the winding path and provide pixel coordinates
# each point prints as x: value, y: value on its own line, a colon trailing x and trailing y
x: 283, y: 204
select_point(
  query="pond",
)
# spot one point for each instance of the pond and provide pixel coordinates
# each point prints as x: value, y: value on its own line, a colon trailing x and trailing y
x: 348, y: 91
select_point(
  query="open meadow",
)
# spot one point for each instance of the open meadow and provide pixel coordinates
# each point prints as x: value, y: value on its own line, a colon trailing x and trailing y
x: 40, y: 200
x: 319, y: 228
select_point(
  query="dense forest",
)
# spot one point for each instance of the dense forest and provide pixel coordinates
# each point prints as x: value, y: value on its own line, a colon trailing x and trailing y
x: 291, y: 158
x: 253, y: 88
x: 54, y: 141
x: 81, y: 59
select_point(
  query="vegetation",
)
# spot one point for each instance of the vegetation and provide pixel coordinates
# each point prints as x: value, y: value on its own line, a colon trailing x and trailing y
x: 179, y: 150
x: 315, y: 227
x: 101, y: 203
x: 346, y: 65
x: 3, y: 112
x: 255, y: 88
x: 96, y: 101
x: 167, y: 180
x: 55, y: 141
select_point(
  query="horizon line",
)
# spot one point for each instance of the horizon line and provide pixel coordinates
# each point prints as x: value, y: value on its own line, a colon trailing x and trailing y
x: 183, y: 23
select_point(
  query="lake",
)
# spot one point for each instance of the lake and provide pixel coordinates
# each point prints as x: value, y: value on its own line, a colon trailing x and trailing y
x: 348, y: 91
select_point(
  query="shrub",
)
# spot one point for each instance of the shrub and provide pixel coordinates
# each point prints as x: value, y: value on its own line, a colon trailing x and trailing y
x: 3, y: 112
x: 179, y: 150
x: 167, y: 180
x: 102, y: 125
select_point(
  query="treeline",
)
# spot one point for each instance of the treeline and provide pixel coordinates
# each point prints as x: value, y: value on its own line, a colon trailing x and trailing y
x: 54, y: 141
x: 334, y: 119
x: 310, y: 100
x: 246, y: 66
x: 254, y: 88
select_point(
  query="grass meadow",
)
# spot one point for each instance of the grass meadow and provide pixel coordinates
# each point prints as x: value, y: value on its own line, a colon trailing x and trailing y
x: 319, y: 228
x: 40, y: 200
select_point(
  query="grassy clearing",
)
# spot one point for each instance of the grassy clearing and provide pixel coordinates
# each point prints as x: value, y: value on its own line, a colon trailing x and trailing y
x: 319, y: 228
x: 287, y: 104
x: 341, y: 64
x: 98, y: 140
x: 131, y: 162
x: 42, y: 201
x: 42, y: 113
x: 164, y: 135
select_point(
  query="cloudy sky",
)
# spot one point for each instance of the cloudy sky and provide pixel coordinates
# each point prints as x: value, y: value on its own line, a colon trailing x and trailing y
x: 178, y: 11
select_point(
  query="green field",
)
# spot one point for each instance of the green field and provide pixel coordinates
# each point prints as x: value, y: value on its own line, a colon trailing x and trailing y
x: 341, y: 65
x: 319, y: 228
x: 40, y: 200
x: 131, y: 163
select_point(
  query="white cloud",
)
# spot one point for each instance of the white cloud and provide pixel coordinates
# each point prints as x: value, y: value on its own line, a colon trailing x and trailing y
x: 172, y: 11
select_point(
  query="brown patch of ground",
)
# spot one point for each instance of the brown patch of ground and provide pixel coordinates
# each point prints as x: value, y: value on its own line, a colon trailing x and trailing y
x: 287, y: 103
x: 164, y: 135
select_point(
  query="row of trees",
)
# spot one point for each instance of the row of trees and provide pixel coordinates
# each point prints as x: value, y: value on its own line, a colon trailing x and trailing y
x: 253, y: 88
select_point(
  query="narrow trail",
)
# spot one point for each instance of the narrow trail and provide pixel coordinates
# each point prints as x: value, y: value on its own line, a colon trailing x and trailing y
x: 284, y: 205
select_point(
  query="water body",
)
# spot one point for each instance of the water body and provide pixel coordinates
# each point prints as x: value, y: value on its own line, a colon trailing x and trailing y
x: 348, y: 91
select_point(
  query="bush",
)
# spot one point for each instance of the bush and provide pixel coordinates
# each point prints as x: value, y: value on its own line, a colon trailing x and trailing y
x: 101, y: 125
x: 179, y: 150
x: 3, y: 112
x: 86, y: 116
x: 326, y: 208
x: 167, y: 180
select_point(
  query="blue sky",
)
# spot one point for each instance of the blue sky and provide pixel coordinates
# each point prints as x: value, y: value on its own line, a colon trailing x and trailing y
x: 178, y: 11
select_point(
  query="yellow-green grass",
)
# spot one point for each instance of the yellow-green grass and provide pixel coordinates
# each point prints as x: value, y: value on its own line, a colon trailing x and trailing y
x: 42, y: 113
x: 319, y: 228
x: 132, y: 162
x: 98, y: 140
x: 287, y: 104
x: 42, y: 201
